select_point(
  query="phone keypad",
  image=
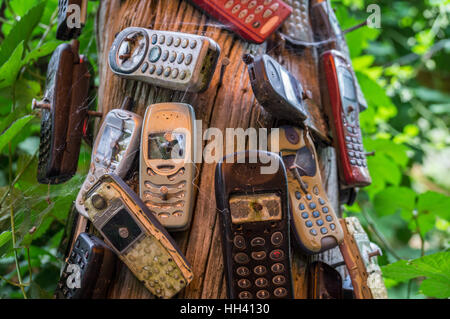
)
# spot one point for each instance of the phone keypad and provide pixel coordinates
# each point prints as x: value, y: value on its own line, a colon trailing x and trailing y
x: 297, y: 25
x: 354, y: 145
x: 45, y: 142
x: 252, y: 13
x: 260, y: 269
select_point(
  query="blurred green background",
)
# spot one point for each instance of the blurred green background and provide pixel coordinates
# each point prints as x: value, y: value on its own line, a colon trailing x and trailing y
x: 403, y: 68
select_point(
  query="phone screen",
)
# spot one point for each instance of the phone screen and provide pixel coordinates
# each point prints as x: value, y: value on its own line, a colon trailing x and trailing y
x: 166, y: 146
x: 112, y: 145
x: 255, y: 208
x: 288, y: 89
x: 348, y: 92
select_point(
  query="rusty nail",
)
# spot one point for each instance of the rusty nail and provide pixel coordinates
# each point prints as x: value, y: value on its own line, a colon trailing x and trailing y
x: 40, y: 105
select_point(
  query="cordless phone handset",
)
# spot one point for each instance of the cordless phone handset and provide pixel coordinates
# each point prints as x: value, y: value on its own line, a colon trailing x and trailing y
x: 115, y: 149
x: 137, y: 237
x: 172, y: 60
x: 253, y: 209
x: 276, y: 89
x: 343, y: 113
x: 314, y: 222
x: 167, y: 168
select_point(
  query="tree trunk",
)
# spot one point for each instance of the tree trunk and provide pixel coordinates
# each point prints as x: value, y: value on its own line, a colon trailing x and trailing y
x: 228, y: 103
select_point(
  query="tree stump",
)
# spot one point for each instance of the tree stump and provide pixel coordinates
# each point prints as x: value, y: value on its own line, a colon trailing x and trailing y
x: 228, y: 103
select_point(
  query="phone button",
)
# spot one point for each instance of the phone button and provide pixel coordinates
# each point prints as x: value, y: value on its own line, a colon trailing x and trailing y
x: 241, y: 258
x: 277, y: 254
x: 279, y: 280
x: 305, y: 215
x: 189, y: 58
x: 325, y: 210
x: 258, y: 241
x: 259, y: 255
x: 262, y: 294
x: 277, y: 268
x: 239, y: 242
x: 250, y: 18
x: 332, y: 226
x: 177, y: 42
x: 313, y: 232
x: 243, y: 271
x: 244, y: 283
x: 261, y: 282
x: 144, y: 67
x: 270, y: 24
x: 229, y: 4
x: 155, y: 54
x: 323, y: 230
x: 169, y: 41
x: 277, y: 238
x: 280, y: 292
x: 245, y: 295
x: 260, y: 270
x: 329, y: 218
x: 152, y: 69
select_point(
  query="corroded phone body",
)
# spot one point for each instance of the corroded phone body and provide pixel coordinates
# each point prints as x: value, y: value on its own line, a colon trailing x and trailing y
x: 63, y: 111
x: 324, y: 282
x: 253, y: 20
x: 368, y: 252
x: 64, y: 31
x: 254, y: 217
x: 275, y: 88
x: 343, y: 114
x: 167, y: 168
x: 314, y: 222
x: 115, y: 149
x: 172, y: 60
x: 137, y: 237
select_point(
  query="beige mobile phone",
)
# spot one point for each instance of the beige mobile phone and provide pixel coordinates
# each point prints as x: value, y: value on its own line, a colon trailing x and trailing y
x: 172, y: 60
x: 167, y: 168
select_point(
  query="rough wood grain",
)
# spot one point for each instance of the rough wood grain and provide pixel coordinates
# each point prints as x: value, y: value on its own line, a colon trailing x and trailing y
x: 229, y: 102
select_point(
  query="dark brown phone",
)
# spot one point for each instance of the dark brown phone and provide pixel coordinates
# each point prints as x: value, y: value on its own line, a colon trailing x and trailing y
x: 253, y: 210
x: 64, y: 109
x: 324, y: 282
x: 95, y: 262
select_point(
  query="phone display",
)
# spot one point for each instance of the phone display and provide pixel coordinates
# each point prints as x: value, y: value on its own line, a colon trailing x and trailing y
x: 255, y: 228
x: 172, y: 60
x: 314, y: 222
x: 137, y: 237
x: 343, y: 113
x: 253, y: 20
x: 167, y: 168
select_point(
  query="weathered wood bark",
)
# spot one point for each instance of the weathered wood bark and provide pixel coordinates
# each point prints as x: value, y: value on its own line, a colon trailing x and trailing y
x: 228, y: 103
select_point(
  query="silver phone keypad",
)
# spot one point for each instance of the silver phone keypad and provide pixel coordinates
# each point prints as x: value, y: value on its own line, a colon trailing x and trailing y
x: 297, y: 26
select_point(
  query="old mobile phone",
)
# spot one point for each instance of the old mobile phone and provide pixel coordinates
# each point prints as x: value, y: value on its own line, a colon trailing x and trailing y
x: 328, y: 33
x: 115, y: 149
x: 253, y: 209
x: 324, y: 282
x: 65, y: 31
x: 167, y: 167
x: 63, y: 110
x: 172, y: 60
x: 297, y: 25
x: 253, y: 20
x: 355, y: 264
x: 314, y: 222
x: 368, y: 252
x: 137, y: 237
x: 88, y: 271
x: 275, y: 88
x: 343, y: 114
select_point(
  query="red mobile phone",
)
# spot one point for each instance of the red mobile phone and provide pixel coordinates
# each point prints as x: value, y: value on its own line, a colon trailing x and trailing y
x: 253, y: 20
x: 343, y: 113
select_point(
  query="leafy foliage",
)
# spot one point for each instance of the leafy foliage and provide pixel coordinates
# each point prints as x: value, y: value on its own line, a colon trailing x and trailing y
x: 404, y: 73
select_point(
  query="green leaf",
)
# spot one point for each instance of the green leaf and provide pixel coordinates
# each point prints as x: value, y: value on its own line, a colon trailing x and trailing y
x: 385, y: 169
x: 21, y: 31
x: 44, y: 50
x: 5, y: 242
x: 398, y: 152
x: 392, y: 199
x: 435, y: 267
x: 13, y: 130
x: 9, y: 70
x: 434, y: 203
